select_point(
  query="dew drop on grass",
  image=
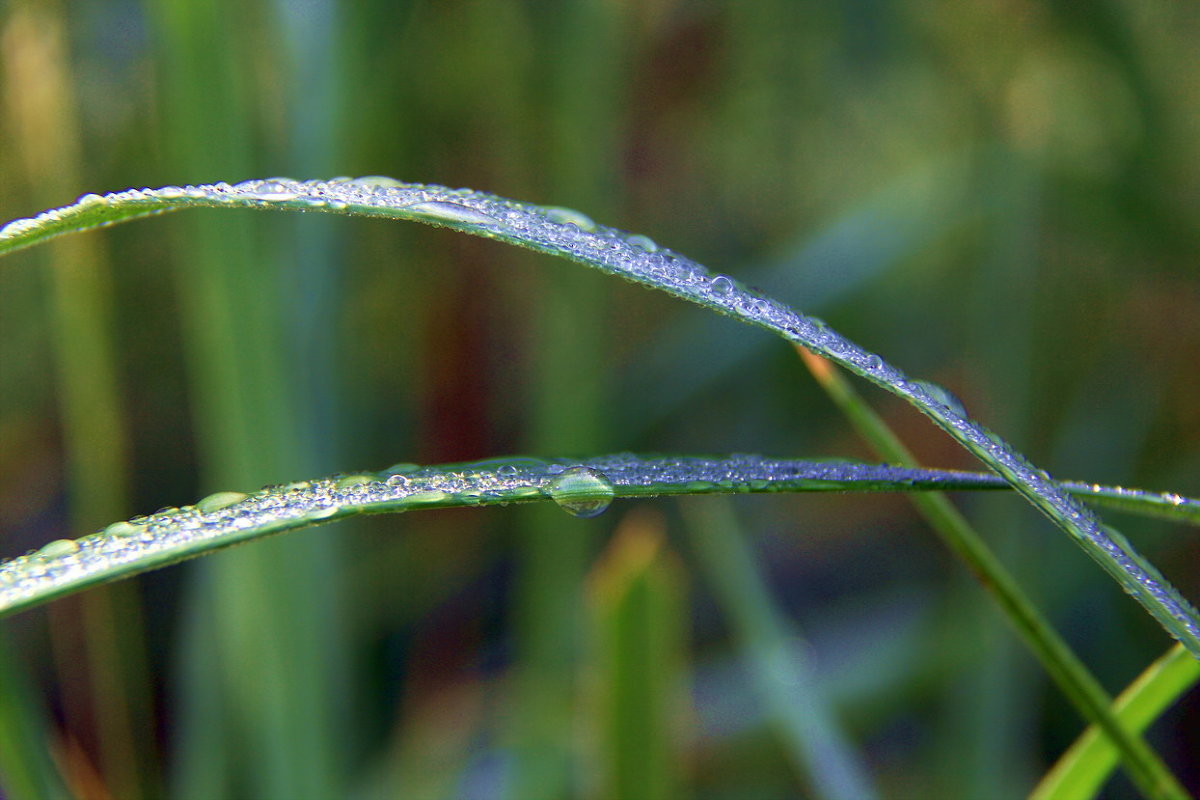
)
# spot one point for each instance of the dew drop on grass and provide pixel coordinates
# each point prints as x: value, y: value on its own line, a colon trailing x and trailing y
x: 350, y: 481
x: 375, y: 182
x: 644, y: 242
x: 218, y: 501
x: 452, y: 212
x: 122, y: 529
x: 569, y: 216
x: 581, y: 492
x: 943, y: 397
x: 722, y: 286
x: 59, y: 547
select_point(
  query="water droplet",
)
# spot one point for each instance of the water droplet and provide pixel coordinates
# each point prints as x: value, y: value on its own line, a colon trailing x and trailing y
x: 350, y: 481
x: 432, y: 496
x: 452, y: 212
x: 324, y: 512
x: 218, y: 501
x: 569, y: 216
x: 943, y: 397
x: 508, y: 471
x: 581, y: 492
x: 59, y: 547
x: 376, y: 181
x: 644, y: 242
x: 278, y: 196
x: 122, y: 529
x: 722, y: 286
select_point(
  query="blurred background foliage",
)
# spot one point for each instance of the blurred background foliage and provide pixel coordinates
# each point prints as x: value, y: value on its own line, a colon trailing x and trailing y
x: 1002, y: 196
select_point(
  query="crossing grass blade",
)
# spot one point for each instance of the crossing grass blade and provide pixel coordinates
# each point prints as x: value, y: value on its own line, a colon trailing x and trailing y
x: 1085, y: 692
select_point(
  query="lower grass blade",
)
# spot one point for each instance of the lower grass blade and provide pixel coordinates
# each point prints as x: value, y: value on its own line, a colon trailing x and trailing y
x: 581, y: 487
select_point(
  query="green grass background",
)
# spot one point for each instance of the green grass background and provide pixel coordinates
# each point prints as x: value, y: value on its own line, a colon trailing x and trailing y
x: 1001, y: 197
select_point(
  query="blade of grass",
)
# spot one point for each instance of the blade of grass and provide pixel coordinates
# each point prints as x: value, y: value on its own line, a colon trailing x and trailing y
x: 639, y: 642
x: 1148, y: 771
x: 226, y: 518
x: 640, y: 260
x: 1082, y: 770
x: 784, y: 680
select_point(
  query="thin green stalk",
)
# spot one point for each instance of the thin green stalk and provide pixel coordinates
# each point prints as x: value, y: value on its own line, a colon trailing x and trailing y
x: 1082, y: 770
x: 1152, y: 777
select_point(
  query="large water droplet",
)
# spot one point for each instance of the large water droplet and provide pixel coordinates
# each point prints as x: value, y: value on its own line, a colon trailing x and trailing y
x: 644, y: 242
x: 944, y: 397
x: 581, y: 492
x: 722, y: 286
x: 452, y: 212
x: 122, y: 529
x: 569, y: 216
x: 59, y: 547
x: 219, y: 500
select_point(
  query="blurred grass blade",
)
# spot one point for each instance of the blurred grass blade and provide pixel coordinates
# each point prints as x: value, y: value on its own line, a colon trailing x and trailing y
x: 575, y: 237
x: 103, y: 634
x: 1146, y: 769
x: 27, y: 772
x: 578, y: 96
x: 1083, y: 769
x: 279, y: 729
x: 784, y: 678
x: 639, y: 643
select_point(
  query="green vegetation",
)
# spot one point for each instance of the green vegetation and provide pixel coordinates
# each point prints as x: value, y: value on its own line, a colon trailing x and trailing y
x: 505, y: 653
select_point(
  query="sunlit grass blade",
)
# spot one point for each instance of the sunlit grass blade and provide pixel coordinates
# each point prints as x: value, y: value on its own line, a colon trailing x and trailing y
x: 1082, y: 770
x: 784, y: 679
x: 638, y: 681
x: 1070, y: 674
x: 577, y: 238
